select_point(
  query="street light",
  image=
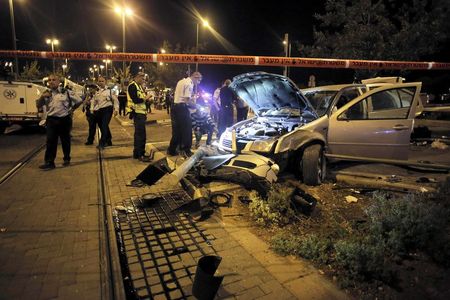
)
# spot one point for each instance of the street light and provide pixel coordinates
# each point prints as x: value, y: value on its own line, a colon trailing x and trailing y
x: 101, y: 69
x: 64, y: 67
x: 110, y: 48
x: 123, y: 11
x: 52, y: 42
x: 13, y: 29
x: 205, y: 23
x: 287, y: 52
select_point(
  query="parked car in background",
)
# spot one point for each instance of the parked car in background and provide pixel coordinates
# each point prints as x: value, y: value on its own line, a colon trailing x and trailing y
x: 356, y: 123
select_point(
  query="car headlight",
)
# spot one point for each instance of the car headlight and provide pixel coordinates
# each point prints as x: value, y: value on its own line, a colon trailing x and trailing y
x: 262, y: 146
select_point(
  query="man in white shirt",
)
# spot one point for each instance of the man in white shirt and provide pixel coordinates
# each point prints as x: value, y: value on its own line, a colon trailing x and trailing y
x: 105, y: 104
x: 59, y: 103
x: 181, y: 117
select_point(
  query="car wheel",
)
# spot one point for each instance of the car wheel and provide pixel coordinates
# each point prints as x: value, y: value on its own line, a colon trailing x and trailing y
x: 313, y: 166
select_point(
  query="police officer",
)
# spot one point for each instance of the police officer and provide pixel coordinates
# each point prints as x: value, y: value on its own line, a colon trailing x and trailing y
x: 59, y: 103
x: 136, y: 108
x: 88, y: 108
x: 105, y: 104
x: 181, y: 117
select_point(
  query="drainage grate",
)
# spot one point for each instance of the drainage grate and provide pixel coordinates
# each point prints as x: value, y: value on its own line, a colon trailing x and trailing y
x: 159, y: 246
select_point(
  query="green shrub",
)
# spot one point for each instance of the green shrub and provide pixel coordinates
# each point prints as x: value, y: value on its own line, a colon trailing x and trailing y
x: 311, y: 247
x: 405, y: 223
x: 315, y: 248
x: 360, y: 260
x: 276, y: 210
x: 284, y: 243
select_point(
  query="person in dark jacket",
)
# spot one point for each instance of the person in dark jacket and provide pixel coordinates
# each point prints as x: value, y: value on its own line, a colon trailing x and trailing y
x: 227, y: 98
x: 202, y: 124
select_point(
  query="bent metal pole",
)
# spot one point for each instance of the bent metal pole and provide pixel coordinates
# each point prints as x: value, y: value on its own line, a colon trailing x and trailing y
x: 299, y: 62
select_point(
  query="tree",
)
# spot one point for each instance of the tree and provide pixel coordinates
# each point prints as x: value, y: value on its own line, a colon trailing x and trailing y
x: 380, y: 30
x: 167, y: 75
x: 31, y: 72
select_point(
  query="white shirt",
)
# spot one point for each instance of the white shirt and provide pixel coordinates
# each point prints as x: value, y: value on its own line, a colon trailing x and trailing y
x: 104, y: 98
x: 59, y: 104
x: 184, y: 90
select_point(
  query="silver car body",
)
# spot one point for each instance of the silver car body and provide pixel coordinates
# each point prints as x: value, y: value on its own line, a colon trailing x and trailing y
x: 375, y: 124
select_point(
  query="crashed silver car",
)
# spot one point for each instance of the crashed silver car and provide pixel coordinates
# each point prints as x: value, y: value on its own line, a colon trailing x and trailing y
x: 374, y: 126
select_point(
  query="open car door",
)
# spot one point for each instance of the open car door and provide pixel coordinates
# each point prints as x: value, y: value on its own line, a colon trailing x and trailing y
x: 377, y: 124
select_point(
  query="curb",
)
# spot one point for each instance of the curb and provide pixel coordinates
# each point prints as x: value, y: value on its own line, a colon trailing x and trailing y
x: 128, y: 122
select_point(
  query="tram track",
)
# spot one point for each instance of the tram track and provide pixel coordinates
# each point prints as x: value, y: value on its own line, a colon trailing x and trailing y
x: 21, y: 163
x: 111, y: 278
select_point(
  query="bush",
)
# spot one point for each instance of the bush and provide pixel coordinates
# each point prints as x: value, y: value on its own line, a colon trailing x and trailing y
x: 406, y: 223
x: 360, y: 260
x: 315, y: 248
x: 276, y: 210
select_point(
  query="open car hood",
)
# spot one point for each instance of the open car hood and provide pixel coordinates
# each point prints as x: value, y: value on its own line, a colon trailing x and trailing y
x: 263, y: 91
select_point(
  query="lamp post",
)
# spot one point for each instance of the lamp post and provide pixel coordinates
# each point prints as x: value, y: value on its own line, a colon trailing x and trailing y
x: 13, y: 29
x: 101, y: 69
x: 205, y: 23
x: 110, y: 48
x: 287, y: 52
x: 53, y: 42
x: 64, y: 66
x: 123, y: 11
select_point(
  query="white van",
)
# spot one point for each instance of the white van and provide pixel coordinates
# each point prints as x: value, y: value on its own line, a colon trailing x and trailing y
x: 18, y: 103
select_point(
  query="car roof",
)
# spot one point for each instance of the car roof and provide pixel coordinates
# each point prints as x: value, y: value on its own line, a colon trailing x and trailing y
x: 334, y: 87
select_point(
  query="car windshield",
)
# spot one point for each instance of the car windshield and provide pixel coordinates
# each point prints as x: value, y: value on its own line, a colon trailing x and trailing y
x: 320, y: 100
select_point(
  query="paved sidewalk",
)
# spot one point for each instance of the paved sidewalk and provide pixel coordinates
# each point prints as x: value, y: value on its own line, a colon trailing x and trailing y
x: 251, y: 270
x: 52, y: 232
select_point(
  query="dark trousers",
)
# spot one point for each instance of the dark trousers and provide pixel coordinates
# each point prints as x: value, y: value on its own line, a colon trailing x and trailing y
x: 122, y: 106
x: 181, y: 128
x: 199, y: 131
x: 140, y: 135
x: 225, y: 119
x: 58, y: 127
x: 241, y: 113
x: 92, y: 122
x: 104, y: 116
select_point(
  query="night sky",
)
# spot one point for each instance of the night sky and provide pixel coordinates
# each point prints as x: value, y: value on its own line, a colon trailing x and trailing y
x: 248, y: 27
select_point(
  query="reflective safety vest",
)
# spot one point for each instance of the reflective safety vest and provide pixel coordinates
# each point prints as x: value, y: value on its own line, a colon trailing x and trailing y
x: 139, y: 108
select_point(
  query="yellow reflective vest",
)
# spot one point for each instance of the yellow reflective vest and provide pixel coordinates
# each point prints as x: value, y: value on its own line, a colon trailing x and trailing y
x: 139, y: 108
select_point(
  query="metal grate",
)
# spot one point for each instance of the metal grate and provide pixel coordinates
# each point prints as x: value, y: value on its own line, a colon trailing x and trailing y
x: 160, y: 246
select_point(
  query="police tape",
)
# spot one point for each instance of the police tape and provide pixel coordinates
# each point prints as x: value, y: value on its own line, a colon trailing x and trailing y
x: 299, y: 62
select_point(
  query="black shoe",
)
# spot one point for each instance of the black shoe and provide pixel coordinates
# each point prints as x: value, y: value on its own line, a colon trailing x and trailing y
x: 66, y: 163
x: 186, y: 153
x: 88, y: 143
x: 172, y: 153
x: 47, y: 166
x: 144, y: 159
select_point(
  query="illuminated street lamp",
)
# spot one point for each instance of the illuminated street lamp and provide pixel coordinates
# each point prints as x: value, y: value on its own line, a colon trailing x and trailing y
x: 101, y: 69
x: 91, y: 70
x: 123, y: 11
x: 205, y: 23
x: 64, y: 67
x: 53, y: 42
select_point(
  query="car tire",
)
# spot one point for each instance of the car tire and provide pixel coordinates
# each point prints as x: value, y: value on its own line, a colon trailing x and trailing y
x: 313, y: 166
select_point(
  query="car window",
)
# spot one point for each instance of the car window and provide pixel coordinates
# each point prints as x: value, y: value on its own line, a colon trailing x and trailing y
x: 320, y: 100
x: 387, y: 104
